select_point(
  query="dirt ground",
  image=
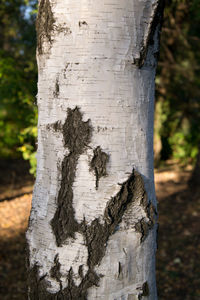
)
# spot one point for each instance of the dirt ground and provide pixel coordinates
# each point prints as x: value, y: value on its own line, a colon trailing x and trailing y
x: 178, y: 263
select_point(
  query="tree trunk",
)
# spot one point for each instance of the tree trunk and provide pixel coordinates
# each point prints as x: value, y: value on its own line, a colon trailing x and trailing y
x: 92, y: 230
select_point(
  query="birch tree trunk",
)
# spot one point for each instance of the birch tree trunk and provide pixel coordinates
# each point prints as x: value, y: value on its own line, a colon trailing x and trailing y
x: 92, y: 229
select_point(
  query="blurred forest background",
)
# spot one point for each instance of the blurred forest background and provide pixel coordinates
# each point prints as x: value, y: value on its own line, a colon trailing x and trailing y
x: 176, y: 143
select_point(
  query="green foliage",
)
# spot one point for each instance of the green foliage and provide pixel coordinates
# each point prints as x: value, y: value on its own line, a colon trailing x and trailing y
x: 18, y: 78
x: 28, y: 150
x: 178, y: 81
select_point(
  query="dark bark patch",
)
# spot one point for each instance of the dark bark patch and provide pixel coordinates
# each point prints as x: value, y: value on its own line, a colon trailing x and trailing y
x: 80, y: 271
x: 76, y: 134
x: 56, y: 89
x: 55, y: 270
x: 96, y: 236
x: 145, y: 290
x: 37, y: 285
x: 143, y: 226
x: 118, y: 204
x: 82, y: 23
x: 120, y: 274
x: 57, y: 126
x: 98, y: 164
x: 73, y: 292
x: 155, y: 24
x: 44, y: 24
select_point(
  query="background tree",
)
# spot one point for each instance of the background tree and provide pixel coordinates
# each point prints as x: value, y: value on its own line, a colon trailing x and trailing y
x: 178, y: 92
x: 92, y: 232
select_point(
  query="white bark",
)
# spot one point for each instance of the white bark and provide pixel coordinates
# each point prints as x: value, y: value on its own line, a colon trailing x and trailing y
x: 91, y: 63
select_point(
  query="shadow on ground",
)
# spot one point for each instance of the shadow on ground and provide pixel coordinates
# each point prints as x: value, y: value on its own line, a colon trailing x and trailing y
x: 13, y: 269
x: 178, y: 264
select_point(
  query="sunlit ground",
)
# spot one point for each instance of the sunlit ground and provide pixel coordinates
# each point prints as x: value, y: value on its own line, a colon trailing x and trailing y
x: 178, y: 263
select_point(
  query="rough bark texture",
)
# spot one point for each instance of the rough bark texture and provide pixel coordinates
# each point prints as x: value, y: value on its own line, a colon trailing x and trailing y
x: 92, y: 231
x: 76, y: 134
x: 44, y: 24
x: 95, y: 235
